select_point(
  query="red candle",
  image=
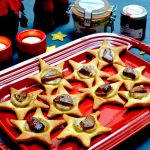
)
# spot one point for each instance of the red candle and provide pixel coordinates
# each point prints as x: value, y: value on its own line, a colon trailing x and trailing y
x: 5, y: 52
x: 31, y: 41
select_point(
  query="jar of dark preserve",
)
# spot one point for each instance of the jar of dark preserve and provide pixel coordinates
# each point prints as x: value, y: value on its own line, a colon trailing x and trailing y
x: 133, y: 21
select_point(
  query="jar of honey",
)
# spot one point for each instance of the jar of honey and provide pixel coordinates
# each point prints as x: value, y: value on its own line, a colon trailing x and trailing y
x: 91, y: 16
x: 133, y: 21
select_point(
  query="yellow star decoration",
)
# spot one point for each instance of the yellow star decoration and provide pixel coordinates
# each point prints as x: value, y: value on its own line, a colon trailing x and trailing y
x: 50, y: 48
x: 132, y: 102
x: 85, y: 79
x: 115, y: 51
x: 54, y: 110
x: 58, y: 36
x: 141, y: 52
x: 21, y: 108
x: 112, y: 97
x: 44, y: 136
x: 128, y: 82
x: 49, y: 87
x: 83, y: 136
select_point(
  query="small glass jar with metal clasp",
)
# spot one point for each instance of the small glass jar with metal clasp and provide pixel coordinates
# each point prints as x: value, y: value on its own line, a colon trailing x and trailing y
x: 92, y: 16
x: 133, y: 21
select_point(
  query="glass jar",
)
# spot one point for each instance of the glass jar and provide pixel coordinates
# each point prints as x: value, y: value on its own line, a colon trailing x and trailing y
x: 91, y: 16
x: 133, y: 21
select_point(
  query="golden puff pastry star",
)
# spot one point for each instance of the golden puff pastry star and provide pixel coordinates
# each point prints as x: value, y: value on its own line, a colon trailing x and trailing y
x: 21, y: 102
x: 130, y: 76
x: 108, y: 54
x: 63, y: 103
x: 36, y: 127
x: 138, y: 96
x: 84, y: 129
x: 86, y: 73
x: 58, y: 36
x: 103, y: 93
x: 51, y: 77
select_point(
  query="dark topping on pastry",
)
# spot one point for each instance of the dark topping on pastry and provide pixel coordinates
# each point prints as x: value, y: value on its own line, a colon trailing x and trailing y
x: 129, y: 72
x: 107, y: 56
x: 88, y: 122
x: 20, y: 96
x: 64, y: 99
x: 138, y: 89
x: 50, y: 75
x: 87, y: 71
x: 138, y: 92
x: 103, y: 90
x: 35, y: 124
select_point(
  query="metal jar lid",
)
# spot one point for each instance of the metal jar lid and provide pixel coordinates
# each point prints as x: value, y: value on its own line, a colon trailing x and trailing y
x: 135, y: 12
x: 92, y: 9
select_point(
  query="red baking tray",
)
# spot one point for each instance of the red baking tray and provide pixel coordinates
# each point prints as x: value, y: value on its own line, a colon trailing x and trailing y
x: 124, y: 123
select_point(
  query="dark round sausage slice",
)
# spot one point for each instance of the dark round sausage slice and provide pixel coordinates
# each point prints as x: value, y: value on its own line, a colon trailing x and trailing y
x: 88, y: 122
x: 129, y: 72
x: 50, y: 75
x: 35, y: 124
x: 107, y: 56
x: 103, y: 89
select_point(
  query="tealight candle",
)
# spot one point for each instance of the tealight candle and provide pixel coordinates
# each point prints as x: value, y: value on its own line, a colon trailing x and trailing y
x: 31, y: 40
x: 5, y: 52
x: 2, y: 46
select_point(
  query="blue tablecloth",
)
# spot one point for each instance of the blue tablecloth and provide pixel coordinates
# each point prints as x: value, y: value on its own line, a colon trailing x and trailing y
x: 141, y: 140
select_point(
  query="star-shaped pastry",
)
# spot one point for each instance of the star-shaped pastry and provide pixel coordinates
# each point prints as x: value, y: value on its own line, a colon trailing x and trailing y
x: 108, y: 54
x: 58, y: 36
x: 63, y: 103
x: 39, y: 128
x: 129, y: 82
x: 84, y: 129
x: 136, y: 97
x: 86, y: 73
x: 21, y: 102
x: 103, y: 93
x: 51, y: 77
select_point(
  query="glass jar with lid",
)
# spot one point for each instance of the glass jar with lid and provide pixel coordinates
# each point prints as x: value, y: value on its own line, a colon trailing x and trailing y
x: 133, y: 21
x: 91, y: 16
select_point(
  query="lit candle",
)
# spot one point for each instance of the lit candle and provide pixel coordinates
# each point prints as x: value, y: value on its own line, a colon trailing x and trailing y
x: 2, y: 46
x: 31, y: 40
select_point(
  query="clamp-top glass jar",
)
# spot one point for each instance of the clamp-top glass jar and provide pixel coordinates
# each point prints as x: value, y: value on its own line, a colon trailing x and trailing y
x: 91, y: 16
x: 133, y: 21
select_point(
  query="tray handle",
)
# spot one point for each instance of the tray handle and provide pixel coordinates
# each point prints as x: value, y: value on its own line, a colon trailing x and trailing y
x: 137, y: 44
x: 145, y: 48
